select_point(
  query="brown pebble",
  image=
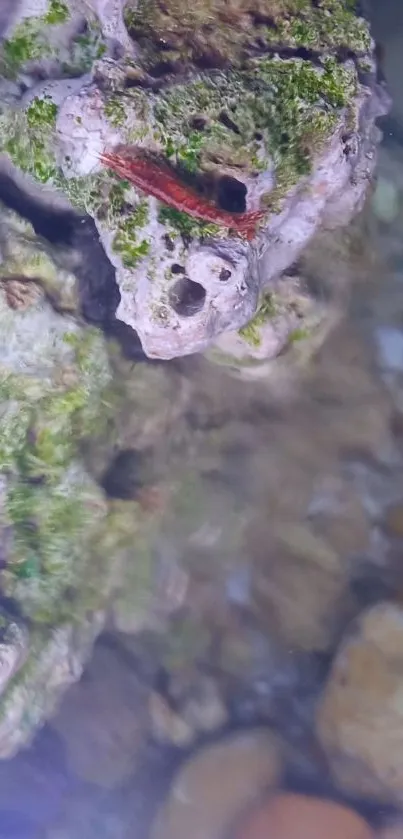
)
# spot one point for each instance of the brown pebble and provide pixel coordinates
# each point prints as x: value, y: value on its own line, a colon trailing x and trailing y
x: 292, y: 816
x: 214, y: 788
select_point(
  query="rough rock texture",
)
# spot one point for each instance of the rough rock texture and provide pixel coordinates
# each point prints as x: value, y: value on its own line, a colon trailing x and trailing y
x: 63, y: 547
x: 300, y: 307
x: 266, y: 112
x: 52, y: 378
x: 360, y: 718
x: 218, y: 784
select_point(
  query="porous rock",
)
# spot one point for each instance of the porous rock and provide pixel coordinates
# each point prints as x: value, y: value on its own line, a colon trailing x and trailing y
x: 241, y: 124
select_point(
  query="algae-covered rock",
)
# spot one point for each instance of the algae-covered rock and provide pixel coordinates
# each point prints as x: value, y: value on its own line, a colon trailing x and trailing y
x: 258, y: 105
x: 53, y: 576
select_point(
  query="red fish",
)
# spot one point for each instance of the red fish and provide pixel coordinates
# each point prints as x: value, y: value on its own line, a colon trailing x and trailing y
x: 159, y: 181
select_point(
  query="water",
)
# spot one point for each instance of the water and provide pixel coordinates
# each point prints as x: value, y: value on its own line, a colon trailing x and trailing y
x: 285, y: 533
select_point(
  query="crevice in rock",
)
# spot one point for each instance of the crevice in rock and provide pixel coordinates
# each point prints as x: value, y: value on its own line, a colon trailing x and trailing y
x: 98, y: 290
x: 56, y: 227
x: 226, y: 120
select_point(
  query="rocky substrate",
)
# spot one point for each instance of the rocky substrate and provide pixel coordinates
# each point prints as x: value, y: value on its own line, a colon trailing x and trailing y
x: 275, y: 110
x: 102, y: 519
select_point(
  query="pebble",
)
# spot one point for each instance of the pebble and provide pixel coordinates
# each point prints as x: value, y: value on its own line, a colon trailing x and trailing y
x: 103, y: 721
x: 292, y: 816
x: 360, y: 717
x: 217, y: 784
x: 167, y: 726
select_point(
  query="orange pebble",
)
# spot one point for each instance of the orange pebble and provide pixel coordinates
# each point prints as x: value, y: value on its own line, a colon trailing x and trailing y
x: 292, y: 816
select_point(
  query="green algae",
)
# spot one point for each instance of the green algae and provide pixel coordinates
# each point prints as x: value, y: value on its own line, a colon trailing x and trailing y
x: 283, y: 112
x: 115, y: 111
x: 250, y: 332
x: 58, y: 12
x: 31, y: 40
x: 181, y: 223
x: 331, y: 25
x: 42, y: 113
x: 53, y: 396
x: 299, y: 334
x: 27, y: 137
x: 209, y: 33
x: 126, y: 241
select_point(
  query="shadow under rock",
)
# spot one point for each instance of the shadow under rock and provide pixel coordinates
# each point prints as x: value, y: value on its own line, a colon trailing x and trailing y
x: 98, y: 290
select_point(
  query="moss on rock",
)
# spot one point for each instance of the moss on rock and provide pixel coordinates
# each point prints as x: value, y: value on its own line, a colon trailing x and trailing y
x: 266, y: 310
x: 50, y: 398
x: 214, y: 33
x: 274, y: 111
x: 32, y: 40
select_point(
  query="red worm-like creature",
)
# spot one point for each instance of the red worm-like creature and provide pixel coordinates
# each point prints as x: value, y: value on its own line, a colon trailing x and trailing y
x: 158, y: 180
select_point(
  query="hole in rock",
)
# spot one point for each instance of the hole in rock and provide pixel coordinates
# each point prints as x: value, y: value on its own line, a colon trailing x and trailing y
x: 162, y: 68
x: 177, y: 269
x: 210, y: 61
x: 224, y: 275
x: 169, y: 244
x: 231, y: 194
x: 187, y: 297
x: 125, y: 476
x: 198, y: 123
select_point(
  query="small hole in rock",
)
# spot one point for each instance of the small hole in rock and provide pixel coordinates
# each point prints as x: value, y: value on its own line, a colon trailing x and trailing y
x: 224, y: 275
x: 207, y: 61
x: 187, y: 297
x: 169, y: 244
x: 231, y: 195
x: 177, y: 269
x: 162, y: 68
x: 198, y: 123
x: 258, y: 136
x: 259, y: 19
x: 125, y: 476
x: 304, y: 53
